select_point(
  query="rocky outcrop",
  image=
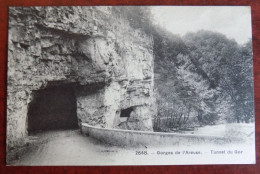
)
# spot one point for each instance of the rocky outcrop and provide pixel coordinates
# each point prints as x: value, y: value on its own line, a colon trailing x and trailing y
x: 109, y: 63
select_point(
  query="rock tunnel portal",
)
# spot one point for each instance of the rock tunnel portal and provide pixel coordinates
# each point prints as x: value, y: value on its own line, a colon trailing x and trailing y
x: 53, y: 108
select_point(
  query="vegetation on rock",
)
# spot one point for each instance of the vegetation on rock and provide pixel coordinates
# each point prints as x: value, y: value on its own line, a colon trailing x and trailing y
x: 203, y: 78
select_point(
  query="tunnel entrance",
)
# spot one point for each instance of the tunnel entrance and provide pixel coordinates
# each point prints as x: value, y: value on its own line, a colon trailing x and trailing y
x: 53, y: 108
x: 125, y: 114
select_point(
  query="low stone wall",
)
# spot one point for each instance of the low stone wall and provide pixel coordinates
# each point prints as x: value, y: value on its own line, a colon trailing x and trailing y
x: 143, y: 138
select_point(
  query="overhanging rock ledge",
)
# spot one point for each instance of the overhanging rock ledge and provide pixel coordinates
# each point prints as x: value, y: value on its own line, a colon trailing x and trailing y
x: 107, y: 63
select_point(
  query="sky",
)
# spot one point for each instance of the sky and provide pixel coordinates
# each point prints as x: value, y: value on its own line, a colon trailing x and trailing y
x: 233, y: 21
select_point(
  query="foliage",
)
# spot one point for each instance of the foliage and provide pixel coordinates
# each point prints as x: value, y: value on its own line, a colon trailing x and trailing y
x: 139, y: 17
x: 202, y: 78
x: 205, y: 72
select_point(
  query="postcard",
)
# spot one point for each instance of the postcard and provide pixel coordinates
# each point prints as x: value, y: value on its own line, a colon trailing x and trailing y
x: 130, y: 85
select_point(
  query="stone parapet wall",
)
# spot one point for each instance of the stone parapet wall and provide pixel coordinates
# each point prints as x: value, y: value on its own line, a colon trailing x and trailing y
x: 131, y: 138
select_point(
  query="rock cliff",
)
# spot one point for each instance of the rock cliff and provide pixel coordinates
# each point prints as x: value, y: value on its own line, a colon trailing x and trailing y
x: 108, y: 63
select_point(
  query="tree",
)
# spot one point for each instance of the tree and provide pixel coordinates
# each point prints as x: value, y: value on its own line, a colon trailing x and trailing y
x: 206, y: 72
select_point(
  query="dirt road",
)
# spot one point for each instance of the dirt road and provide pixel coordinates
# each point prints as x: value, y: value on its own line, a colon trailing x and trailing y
x: 67, y: 147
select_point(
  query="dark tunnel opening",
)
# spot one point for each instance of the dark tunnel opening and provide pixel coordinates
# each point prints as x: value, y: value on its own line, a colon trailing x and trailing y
x: 126, y: 112
x: 53, y: 108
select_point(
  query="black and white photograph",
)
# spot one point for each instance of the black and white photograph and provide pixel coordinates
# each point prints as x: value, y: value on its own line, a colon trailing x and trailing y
x: 130, y: 85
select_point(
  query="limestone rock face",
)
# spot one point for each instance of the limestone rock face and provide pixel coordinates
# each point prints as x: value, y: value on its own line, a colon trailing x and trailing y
x: 109, y: 63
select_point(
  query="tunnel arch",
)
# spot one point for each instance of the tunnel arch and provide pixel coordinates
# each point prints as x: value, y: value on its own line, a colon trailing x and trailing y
x: 53, y: 108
